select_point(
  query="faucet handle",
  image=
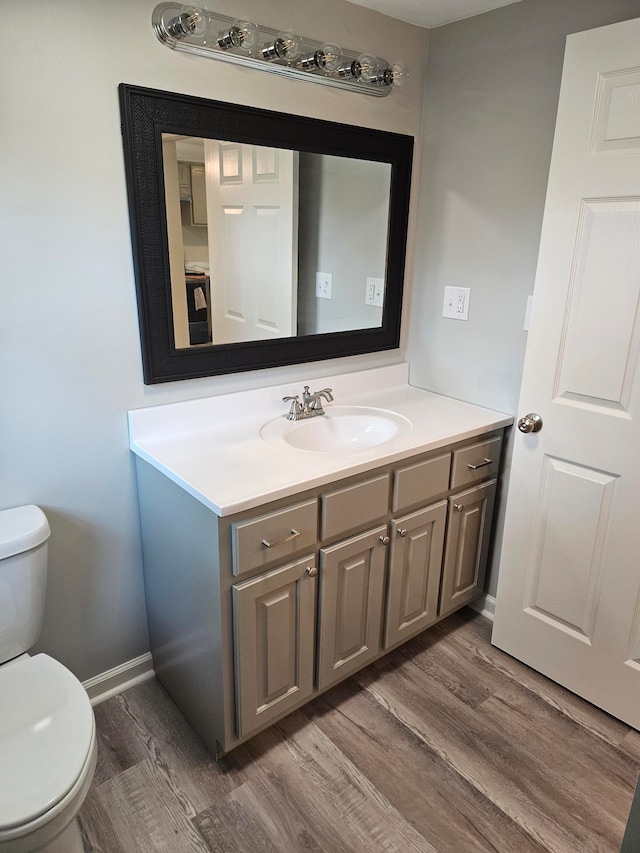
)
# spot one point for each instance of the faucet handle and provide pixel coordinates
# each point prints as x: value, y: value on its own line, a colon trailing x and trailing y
x: 296, y: 409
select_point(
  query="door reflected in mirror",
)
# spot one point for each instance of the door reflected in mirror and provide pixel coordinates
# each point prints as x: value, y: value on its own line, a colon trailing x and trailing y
x: 270, y: 242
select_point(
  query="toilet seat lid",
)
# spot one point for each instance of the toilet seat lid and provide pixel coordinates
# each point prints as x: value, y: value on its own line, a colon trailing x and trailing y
x: 46, y: 730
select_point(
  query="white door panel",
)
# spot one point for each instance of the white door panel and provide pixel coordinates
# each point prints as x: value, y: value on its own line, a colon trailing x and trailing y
x: 252, y: 203
x: 568, y: 600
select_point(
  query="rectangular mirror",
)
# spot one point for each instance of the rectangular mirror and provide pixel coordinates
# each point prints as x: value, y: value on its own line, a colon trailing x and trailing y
x: 260, y: 239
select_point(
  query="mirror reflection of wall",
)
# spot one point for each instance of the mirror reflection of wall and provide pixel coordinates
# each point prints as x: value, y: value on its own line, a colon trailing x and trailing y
x: 344, y: 213
x: 223, y: 227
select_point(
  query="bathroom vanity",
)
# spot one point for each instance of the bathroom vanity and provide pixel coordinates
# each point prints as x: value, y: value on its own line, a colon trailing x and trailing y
x: 278, y: 562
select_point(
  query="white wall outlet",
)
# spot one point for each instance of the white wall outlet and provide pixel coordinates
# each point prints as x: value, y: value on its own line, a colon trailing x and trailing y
x: 374, y: 294
x: 323, y: 285
x: 456, y: 303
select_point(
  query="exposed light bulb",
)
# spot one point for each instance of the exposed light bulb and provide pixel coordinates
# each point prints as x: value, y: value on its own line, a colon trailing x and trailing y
x: 393, y: 75
x: 331, y: 57
x: 192, y: 21
x: 327, y: 58
x: 366, y: 67
x: 287, y: 46
x: 242, y: 34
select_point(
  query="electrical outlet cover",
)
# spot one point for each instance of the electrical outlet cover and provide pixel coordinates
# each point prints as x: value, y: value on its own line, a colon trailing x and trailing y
x: 323, y: 285
x: 456, y: 303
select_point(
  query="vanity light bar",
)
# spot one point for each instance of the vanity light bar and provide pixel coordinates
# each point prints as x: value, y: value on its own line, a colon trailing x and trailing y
x: 195, y: 29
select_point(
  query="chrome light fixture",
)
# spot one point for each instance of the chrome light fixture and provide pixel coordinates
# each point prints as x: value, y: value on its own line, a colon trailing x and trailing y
x: 195, y: 29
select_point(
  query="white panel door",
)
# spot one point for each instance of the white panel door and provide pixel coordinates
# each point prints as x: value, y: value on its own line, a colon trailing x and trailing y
x: 252, y: 204
x: 568, y: 600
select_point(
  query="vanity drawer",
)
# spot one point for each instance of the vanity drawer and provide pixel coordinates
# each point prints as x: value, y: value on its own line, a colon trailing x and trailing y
x: 420, y: 482
x: 477, y: 462
x: 354, y: 506
x: 277, y: 535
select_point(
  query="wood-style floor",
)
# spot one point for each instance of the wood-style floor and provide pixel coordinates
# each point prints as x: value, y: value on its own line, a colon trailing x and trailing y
x: 445, y: 745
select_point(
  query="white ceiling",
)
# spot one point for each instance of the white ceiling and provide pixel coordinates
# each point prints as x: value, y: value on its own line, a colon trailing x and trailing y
x: 432, y: 13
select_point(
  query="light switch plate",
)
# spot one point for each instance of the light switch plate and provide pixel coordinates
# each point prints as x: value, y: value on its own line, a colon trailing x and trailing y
x: 374, y: 294
x: 456, y: 303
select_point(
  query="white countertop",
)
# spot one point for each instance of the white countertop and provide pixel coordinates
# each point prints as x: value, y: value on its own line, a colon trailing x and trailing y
x: 212, y: 447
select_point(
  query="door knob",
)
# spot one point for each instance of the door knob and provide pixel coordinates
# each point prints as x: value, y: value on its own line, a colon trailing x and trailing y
x: 530, y: 423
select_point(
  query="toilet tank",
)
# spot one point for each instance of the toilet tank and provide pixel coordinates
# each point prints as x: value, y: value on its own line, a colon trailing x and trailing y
x: 24, y: 532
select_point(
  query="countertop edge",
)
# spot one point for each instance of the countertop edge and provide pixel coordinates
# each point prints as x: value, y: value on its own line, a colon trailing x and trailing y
x: 333, y: 473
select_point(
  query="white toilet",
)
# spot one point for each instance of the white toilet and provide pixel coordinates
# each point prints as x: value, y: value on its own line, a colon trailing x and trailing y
x: 47, y: 728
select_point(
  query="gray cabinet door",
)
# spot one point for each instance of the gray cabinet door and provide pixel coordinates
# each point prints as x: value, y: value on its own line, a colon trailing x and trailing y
x: 352, y: 576
x: 468, y: 531
x: 274, y: 635
x: 415, y: 561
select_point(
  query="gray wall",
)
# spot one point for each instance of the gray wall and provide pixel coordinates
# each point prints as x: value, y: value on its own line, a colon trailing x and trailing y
x: 69, y: 347
x: 491, y: 98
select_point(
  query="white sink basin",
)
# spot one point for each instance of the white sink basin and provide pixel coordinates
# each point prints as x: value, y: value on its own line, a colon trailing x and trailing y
x: 340, y: 429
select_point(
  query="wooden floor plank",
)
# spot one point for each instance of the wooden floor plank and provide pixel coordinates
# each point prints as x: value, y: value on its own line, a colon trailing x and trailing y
x: 120, y: 745
x: 443, y: 806
x: 591, y: 779
x: 240, y: 823
x: 630, y: 744
x: 460, y: 670
x: 474, y: 633
x: 479, y: 750
x: 319, y: 784
x: 138, y: 811
x: 169, y: 740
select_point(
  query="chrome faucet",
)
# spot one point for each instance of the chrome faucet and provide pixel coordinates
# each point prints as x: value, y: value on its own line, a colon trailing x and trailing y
x: 311, y: 405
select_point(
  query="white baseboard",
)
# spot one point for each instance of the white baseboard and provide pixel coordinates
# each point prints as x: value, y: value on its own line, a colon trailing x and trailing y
x: 120, y: 678
x: 486, y: 605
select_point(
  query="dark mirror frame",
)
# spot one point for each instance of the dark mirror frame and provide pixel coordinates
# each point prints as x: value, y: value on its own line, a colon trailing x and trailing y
x: 148, y: 113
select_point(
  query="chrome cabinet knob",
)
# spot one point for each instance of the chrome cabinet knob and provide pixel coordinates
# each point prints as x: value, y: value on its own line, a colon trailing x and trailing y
x: 402, y: 532
x: 312, y: 571
x: 384, y: 540
x: 530, y: 423
x: 458, y: 507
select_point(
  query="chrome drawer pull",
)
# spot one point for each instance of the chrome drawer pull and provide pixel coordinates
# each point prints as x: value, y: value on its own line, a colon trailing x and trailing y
x: 293, y: 535
x: 481, y: 465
